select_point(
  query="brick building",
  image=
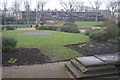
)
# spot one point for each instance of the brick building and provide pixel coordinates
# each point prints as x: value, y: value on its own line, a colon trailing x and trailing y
x: 58, y: 15
x: 62, y: 15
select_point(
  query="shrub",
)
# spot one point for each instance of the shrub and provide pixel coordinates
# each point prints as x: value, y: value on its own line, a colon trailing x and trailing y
x: 3, y: 27
x: 70, y: 24
x: 41, y: 28
x: 10, y: 28
x: 36, y: 26
x: 118, y: 29
x: 106, y: 23
x: 55, y: 28
x: 52, y: 28
x: 31, y: 26
x: 99, y: 36
x: 70, y: 27
x: 109, y: 34
x: 8, y: 44
x: 118, y: 24
x: 112, y: 41
x: 112, y: 31
x: 88, y: 31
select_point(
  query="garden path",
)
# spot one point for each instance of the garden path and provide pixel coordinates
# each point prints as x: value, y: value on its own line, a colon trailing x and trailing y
x: 82, y: 29
x: 25, y: 29
x: 49, y: 70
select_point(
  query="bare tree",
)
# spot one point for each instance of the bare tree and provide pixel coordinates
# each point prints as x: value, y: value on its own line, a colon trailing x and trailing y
x: 40, y: 13
x: 69, y: 6
x: 4, y: 6
x: 16, y: 9
x: 80, y: 6
x: 27, y: 4
x: 112, y: 6
x: 96, y: 7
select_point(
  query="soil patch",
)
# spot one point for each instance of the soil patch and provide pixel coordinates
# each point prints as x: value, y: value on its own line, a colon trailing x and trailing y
x: 24, y: 56
x: 33, y: 33
x: 94, y: 48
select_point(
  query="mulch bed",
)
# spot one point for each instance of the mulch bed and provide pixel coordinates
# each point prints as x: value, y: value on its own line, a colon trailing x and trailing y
x: 24, y: 56
x: 30, y: 56
x: 94, y: 48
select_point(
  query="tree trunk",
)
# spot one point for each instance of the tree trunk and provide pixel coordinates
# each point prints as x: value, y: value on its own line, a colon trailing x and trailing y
x: 4, y: 17
x: 41, y: 16
x: 28, y: 17
x: 96, y: 18
x: 37, y: 17
x: 16, y: 16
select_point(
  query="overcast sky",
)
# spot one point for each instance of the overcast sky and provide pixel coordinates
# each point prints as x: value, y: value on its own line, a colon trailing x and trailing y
x: 51, y: 4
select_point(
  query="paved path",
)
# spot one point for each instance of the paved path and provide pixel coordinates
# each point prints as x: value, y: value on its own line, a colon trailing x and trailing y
x: 25, y: 29
x: 49, y: 70
x: 83, y: 29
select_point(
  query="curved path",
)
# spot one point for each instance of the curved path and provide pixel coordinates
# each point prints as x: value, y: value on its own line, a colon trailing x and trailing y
x: 25, y: 29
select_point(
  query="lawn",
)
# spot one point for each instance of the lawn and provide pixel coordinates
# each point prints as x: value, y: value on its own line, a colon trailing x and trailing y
x: 87, y: 23
x: 79, y: 24
x: 51, y: 45
x: 20, y: 25
x: 84, y: 23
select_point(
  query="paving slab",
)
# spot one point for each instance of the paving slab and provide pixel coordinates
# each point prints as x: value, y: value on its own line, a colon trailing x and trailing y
x: 109, y: 58
x: 90, y: 61
x: 49, y: 70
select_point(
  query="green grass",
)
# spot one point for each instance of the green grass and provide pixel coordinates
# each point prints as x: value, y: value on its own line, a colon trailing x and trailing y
x: 87, y: 23
x: 19, y: 25
x: 79, y: 24
x: 84, y: 24
x: 51, y: 45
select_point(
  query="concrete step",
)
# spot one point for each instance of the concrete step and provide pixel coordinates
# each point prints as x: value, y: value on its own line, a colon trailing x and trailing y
x: 78, y: 66
x: 79, y: 75
x: 83, y: 69
x: 90, y: 61
x: 73, y: 70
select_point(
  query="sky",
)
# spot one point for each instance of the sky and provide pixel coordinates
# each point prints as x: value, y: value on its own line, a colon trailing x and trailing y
x: 51, y: 4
